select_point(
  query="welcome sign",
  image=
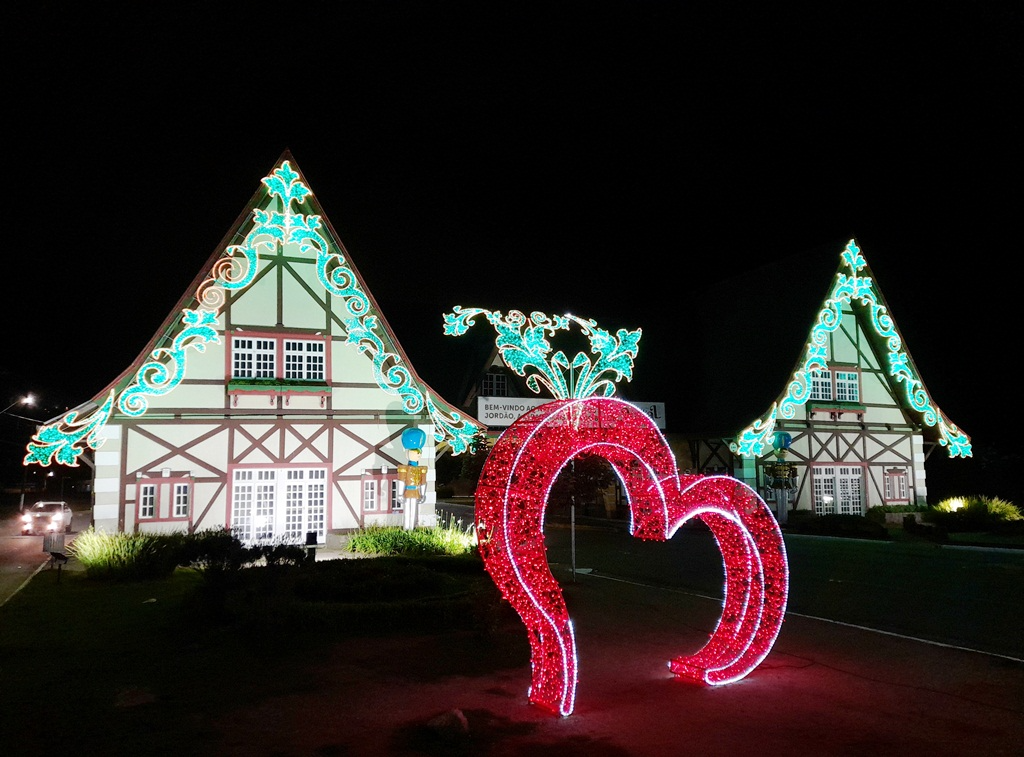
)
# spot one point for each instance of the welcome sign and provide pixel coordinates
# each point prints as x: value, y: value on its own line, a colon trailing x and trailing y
x: 504, y: 411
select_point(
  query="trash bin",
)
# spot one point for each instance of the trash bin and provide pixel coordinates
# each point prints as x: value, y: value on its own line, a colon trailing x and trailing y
x: 53, y: 542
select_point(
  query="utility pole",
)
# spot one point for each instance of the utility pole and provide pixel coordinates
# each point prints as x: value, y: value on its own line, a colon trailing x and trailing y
x: 24, y: 476
x: 572, y: 517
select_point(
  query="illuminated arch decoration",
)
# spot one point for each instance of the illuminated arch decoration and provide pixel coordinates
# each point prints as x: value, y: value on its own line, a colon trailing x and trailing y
x: 510, y: 502
x: 64, y: 440
x: 751, y: 442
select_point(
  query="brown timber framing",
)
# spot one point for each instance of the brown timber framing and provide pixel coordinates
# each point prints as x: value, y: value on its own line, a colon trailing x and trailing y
x: 279, y: 431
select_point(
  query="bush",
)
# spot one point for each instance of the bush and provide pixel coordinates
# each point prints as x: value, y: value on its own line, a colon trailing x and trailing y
x: 833, y: 524
x: 974, y: 513
x: 1008, y: 527
x: 142, y: 555
x: 282, y: 554
x: 127, y: 556
x: 349, y: 597
x: 798, y: 519
x: 447, y: 539
x: 927, y: 529
x: 878, y: 512
x: 214, y: 549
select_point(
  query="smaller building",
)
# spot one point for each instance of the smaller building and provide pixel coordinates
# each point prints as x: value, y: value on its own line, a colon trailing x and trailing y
x: 852, y: 424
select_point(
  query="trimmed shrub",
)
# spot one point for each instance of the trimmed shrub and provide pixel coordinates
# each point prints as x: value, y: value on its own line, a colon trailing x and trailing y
x: 854, y: 526
x: 797, y: 520
x: 878, y: 512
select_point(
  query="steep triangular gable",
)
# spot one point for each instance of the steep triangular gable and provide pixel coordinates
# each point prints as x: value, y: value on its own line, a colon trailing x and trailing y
x: 272, y: 213
x: 854, y: 282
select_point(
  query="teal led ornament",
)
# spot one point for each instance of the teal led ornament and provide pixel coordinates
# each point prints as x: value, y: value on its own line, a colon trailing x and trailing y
x: 524, y: 347
x: 66, y: 439
x: 852, y: 287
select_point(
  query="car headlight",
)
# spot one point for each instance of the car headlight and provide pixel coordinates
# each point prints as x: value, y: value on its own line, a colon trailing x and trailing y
x: 26, y: 518
x: 57, y: 517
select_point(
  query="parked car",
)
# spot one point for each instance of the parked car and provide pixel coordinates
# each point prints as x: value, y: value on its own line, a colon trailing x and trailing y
x: 46, y: 517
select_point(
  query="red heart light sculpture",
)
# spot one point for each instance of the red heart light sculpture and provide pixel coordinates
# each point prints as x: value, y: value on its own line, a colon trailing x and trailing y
x: 511, y: 498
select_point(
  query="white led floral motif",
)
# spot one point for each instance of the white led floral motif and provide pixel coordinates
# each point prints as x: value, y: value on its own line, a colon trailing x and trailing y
x: 753, y: 440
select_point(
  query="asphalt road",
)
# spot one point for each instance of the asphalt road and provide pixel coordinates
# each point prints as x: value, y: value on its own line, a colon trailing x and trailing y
x: 21, y: 556
x: 968, y: 598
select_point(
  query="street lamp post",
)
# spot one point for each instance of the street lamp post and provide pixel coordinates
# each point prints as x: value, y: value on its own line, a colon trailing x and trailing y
x: 28, y: 399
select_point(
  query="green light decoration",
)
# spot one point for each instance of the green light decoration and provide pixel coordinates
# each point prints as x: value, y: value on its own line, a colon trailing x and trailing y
x: 523, y: 344
x: 155, y: 378
x: 395, y: 378
x: 752, y: 441
x: 60, y: 442
x: 65, y: 440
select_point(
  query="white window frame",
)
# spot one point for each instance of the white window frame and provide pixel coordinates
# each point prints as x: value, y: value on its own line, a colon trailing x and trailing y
x: 304, y: 359
x: 182, y: 500
x: 369, y: 495
x: 838, y: 488
x: 382, y: 491
x: 897, y: 486
x: 147, y: 501
x: 280, y: 358
x: 847, y: 385
x: 253, y: 357
x: 270, y: 505
x: 494, y: 384
x: 835, y: 384
x: 821, y: 385
x: 162, y: 497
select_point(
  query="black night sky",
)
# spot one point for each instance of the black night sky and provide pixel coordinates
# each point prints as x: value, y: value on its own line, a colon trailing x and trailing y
x: 609, y: 159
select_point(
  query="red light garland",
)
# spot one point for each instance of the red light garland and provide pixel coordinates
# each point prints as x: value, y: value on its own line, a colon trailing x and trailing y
x: 511, y: 498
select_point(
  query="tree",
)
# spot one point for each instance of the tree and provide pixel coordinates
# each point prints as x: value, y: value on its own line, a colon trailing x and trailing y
x: 583, y: 480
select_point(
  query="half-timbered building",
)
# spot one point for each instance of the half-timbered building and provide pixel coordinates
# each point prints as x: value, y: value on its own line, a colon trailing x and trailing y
x: 853, y: 423
x: 272, y: 400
